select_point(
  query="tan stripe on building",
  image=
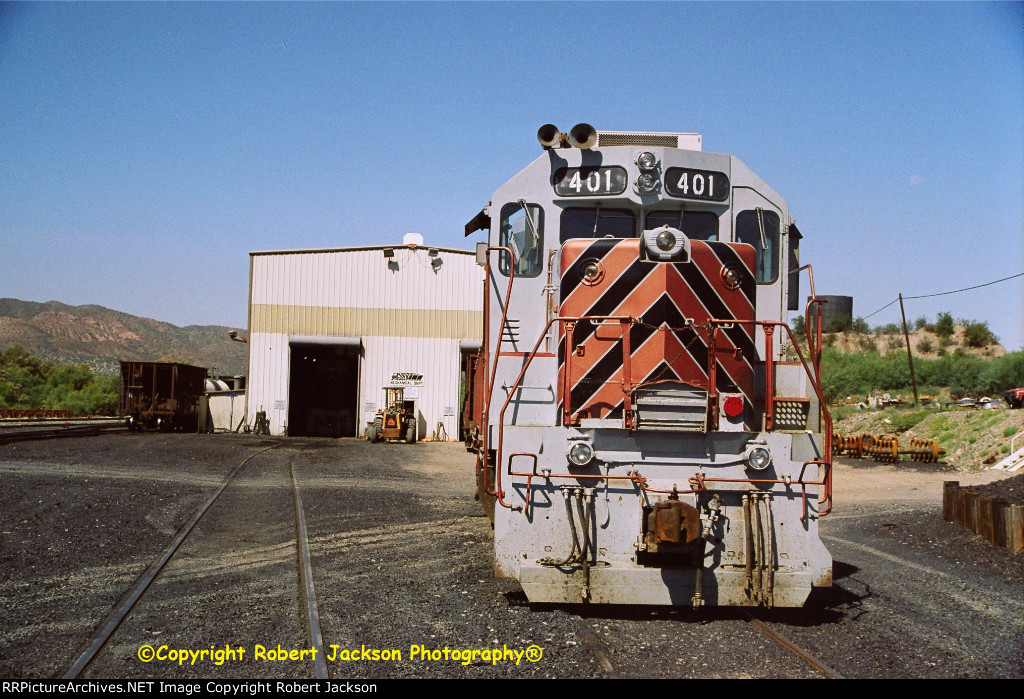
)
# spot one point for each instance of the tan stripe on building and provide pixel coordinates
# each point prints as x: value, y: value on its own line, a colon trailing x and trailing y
x: 376, y: 322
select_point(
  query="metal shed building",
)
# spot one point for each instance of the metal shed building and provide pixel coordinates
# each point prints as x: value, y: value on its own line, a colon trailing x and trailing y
x: 328, y: 329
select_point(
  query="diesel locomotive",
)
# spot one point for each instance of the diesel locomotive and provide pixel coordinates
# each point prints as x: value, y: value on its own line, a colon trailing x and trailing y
x: 647, y: 429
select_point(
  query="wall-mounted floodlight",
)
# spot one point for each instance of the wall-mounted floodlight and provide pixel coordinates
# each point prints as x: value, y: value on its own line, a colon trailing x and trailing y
x: 433, y: 252
x: 389, y: 253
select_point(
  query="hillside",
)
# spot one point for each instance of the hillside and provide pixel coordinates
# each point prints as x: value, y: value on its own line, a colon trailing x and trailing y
x: 924, y: 343
x: 969, y: 436
x: 99, y: 337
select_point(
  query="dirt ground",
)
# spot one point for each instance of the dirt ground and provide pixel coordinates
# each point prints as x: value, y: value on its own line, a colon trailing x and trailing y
x: 864, y: 481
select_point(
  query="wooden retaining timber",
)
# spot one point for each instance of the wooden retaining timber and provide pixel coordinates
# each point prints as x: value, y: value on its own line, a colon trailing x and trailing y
x: 1001, y: 523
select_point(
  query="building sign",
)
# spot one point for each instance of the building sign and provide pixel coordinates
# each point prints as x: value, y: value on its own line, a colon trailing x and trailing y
x: 406, y: 378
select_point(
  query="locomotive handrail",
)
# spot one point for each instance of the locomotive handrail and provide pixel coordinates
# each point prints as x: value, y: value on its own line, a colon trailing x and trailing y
x: 498, y: 493
x: 489, y: 380
x: 768, y: 326
x: 813, y: 348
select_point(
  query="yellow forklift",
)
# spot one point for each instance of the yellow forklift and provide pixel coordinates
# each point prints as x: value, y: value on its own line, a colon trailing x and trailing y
x: 397, y: 421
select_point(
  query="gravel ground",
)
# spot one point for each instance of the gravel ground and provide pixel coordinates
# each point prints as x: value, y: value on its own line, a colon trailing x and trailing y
x: 401, y: 558
x: 1010, y: 489
x: 80, y: 520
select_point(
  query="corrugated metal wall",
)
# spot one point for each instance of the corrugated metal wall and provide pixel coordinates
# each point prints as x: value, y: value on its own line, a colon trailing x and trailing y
x: 409, y: 313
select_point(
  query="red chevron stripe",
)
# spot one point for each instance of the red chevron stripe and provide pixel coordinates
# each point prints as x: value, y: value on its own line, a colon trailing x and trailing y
x: 740, y: 371
x: 711, y: 267
x: 614, y: 264
x: 663, y: 280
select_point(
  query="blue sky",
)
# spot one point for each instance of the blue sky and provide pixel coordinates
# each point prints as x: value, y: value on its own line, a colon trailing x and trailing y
x: 146, y: 148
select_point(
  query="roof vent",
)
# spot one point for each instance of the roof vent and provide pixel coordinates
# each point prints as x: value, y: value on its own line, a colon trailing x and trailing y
x: 685, y: 141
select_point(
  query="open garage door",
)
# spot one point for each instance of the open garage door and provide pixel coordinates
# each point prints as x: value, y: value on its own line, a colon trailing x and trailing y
x: 323, y: 387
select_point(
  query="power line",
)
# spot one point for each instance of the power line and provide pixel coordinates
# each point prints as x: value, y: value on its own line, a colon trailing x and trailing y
x: 881, y: 309
x: 944, y: 293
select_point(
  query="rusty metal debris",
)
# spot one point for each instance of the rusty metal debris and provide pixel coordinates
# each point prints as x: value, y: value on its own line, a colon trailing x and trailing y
x: 20, y: 413
x: 886, y: 449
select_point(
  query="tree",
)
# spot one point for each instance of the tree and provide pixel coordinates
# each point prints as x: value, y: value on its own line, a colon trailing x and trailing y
x: 841, y: 324
x: 944, y: 326
x: 799, y: 329
x: 977, y: 334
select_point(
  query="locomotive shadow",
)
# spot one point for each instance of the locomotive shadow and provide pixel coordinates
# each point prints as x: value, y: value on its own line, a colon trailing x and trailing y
x: 825, y: 605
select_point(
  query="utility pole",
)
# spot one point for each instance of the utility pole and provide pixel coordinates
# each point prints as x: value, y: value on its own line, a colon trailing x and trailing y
x: 910, y: 357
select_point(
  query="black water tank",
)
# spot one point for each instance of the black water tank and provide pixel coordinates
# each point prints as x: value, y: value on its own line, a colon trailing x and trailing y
x: 836, y: 314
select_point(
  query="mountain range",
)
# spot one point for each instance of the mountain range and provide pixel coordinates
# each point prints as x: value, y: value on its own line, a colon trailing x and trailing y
x: 100, y: 337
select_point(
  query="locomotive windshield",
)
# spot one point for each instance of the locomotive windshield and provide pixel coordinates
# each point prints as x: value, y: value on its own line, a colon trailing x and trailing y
x: 599, y: 222
x: 697, y: 225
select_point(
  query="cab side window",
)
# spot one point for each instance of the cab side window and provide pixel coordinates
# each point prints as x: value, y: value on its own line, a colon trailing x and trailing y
x: 522, y: 230
x: 760, y: 228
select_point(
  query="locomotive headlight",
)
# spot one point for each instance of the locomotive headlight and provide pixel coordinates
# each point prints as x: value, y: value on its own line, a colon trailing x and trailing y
x: 666, y: 240
x: 758, y: 458
x: 592, y: 272
x: 580, y: 454
x: 646, y: 160
x: 731, y: 277
x: 647, y: 182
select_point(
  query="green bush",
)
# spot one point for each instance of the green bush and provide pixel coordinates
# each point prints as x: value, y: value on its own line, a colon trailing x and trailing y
x: 858, y: 374
x: 860, y: 325
x: 925, y: 346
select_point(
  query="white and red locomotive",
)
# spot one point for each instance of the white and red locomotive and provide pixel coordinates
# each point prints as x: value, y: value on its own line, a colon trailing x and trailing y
x: 640, y: 437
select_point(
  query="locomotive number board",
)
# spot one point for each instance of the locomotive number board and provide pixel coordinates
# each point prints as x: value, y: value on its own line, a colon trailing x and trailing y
x: 589, y: 181
x: 687, y: 183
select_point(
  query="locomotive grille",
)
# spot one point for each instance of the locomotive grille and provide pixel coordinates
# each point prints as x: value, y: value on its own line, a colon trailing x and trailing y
x: 637, y: 139
x: 674, y: 407
x: 791, y: 415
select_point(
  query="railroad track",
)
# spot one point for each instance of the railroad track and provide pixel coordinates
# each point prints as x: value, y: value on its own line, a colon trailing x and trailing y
x: 790, y: 646
x: 598, y: 651
x: 23, y: 430
x: 305, y: 577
